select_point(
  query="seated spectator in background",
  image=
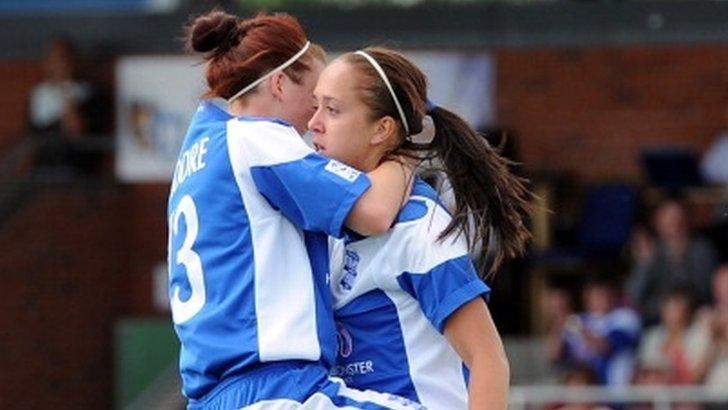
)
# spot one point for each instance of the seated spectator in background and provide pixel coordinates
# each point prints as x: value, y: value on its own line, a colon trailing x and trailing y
x: 62, y: 108
x: 557, y: 308
x: 676, y: 342
x: 656, y: 374
x: 714, y: 322
x: 579, y: 375
x: 672, y: 258
x: 605, y: 336
x: 653, y: 371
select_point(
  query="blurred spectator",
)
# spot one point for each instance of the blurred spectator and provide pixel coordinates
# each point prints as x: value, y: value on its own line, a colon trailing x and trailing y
x: 55, y: 103
x: 62, y: 108
x: 652, y: 370
x: 676, y: 345
x: 604, y: 336
x: 714, y: 322
x: 579, y: 375
x: 557, y: 309
x: 715, y: 160
x: 655, y: 372
x: 672, y: 258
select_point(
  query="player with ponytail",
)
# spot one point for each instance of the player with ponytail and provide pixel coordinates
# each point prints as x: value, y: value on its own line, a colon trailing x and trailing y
x: 409, y: 303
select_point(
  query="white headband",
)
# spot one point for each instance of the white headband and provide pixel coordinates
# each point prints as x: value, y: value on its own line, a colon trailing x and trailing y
x: 377, y: 67
x: 270, y: 73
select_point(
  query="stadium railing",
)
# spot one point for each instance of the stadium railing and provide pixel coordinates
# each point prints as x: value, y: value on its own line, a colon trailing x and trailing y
x: 660, y: 397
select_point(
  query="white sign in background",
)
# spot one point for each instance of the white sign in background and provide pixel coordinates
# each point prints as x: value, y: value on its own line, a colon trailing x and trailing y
x: 157, y: 96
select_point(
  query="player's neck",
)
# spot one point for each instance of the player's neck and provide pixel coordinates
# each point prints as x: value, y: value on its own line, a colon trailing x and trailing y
x: 371, y: 160
x: 254, y: 106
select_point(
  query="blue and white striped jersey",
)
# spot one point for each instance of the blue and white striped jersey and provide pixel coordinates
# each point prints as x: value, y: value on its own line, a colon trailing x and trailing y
x: 249, y: 211
x: 392, y: 296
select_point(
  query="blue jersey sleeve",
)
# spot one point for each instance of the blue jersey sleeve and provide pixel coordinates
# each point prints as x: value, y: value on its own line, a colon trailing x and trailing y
x: 444, y: 289
x: 316, y: 193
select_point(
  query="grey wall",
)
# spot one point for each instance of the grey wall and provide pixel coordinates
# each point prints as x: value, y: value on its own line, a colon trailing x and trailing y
x: 491, y: 25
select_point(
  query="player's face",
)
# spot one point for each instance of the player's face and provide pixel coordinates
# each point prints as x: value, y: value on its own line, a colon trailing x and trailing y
x: 342, y: 126
x: 299, y: 97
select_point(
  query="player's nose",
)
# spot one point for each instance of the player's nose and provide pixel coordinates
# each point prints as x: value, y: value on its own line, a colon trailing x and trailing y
x: 315, y: 124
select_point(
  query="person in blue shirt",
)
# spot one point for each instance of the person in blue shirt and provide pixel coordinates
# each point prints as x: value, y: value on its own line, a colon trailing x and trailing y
x: 604, y: 336
x: 410, y: 309
x: 250, y: 211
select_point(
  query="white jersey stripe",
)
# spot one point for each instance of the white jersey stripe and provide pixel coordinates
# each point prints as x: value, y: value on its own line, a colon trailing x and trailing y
x: 284, y: 331
x: 433, y: 362
x: 267, y: 143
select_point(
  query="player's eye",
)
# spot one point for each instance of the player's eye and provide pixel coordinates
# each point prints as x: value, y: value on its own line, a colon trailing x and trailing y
x: 331, y: 110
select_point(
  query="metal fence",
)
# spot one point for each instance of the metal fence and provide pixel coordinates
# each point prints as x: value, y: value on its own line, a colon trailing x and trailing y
x: 659, y: 397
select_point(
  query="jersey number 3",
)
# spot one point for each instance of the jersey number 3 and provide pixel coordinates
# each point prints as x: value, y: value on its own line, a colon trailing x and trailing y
x: 183, y: 311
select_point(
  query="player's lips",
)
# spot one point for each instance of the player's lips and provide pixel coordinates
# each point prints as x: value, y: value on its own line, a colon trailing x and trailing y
x: 318, y: 147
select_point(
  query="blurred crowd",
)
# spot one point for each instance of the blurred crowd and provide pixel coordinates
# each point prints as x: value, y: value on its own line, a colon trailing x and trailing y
x: 664, y: 323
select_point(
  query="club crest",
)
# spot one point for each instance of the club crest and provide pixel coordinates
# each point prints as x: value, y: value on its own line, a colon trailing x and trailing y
x: 351, y: 261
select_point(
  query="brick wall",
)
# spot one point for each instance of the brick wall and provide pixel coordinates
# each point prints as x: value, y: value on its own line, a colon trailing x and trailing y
x: 63, y: 282
x: 590, y: 110
x: 146, y: 210
x: 17, y: 79
x: 74, y: 262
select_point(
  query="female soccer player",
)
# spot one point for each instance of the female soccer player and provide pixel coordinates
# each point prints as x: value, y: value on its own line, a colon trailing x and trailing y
x: 250, y: 208
x: 409, y: 304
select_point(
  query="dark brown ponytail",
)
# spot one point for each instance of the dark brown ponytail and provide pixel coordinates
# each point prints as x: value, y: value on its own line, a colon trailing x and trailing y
x: 491, y: 203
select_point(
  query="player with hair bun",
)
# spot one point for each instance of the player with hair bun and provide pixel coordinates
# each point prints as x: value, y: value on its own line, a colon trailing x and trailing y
x: 250, y: 210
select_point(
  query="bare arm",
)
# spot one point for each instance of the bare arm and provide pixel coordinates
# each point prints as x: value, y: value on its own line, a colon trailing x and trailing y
x: 473, y: 335
x: 375, y: 211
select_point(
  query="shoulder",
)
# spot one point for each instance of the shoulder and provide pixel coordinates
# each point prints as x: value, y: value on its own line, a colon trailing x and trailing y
x: 424, y: 208
x: 269, y: 126
x: 266, y: 141
x: 421, y: 221
x: 414, y: 244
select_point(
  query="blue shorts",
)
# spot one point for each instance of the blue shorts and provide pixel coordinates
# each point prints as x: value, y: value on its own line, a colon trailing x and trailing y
x: 295, y: 386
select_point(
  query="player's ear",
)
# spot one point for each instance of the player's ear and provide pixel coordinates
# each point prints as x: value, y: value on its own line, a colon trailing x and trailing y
x: 276, y: 85
x: 385, y: 131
